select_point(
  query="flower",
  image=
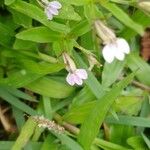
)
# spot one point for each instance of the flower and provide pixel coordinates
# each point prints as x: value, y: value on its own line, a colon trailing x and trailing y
x: 75, y: 76
x: 51, y: 8
x: 46, y: 123
x: 116, y: 49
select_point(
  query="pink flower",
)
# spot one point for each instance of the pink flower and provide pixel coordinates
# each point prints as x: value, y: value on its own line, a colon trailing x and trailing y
x: 51, y: 8
x: 76, y: 77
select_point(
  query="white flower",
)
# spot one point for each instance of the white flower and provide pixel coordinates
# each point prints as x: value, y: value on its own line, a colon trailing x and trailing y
x: 51, y: 8
x: 77, y: 77
x: 116, y: 49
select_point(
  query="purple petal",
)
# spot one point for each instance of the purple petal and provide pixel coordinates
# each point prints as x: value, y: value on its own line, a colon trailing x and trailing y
x: 81, y: 73
x: 53, y: 11
x: 48, y: 14
x: 77, y: 79
x: 55, y: 4
x: 70, y: 79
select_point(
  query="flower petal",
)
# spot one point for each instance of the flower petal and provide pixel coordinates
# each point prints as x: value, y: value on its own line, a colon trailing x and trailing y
x: 48, y: 14
x: 77, y: 79
x: 53, y: 11
x: 123, y: 45
x: 70, y: 79
x: 55, y: 4
x: 108, y: 53
x: 81, y: 73
x: 118, y: 54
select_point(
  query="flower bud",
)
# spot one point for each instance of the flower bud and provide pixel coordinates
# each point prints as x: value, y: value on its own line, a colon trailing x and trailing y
x: 145, y: 5
x: 70, y: 65
x: 105, y: 33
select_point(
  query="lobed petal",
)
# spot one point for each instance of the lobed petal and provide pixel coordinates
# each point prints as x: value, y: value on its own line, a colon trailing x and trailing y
x: 53, y: 11
x: 70, y: 79
x: 119, y: 54
x: 81, y: 73
x: 55, y: 4
x: 48, y: 14
x: 108, y: 53
x: 123, y: 45
x: 77, y: 79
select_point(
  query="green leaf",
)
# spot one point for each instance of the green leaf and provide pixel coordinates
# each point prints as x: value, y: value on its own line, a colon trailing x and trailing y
x: 26, y: 133
x: 123, y: 17
x: 67, y: 12
x: 77, y: 2
x: 80, y: 28
x: 140, y: 18
x: 16, y: 102
x: 21, y: 19
x: 129, y: 120
x: 24, y: 77
x: 98, y: 113
x: 137, y: 143
x: 70, y: 143
x: 77, y: 114
x: 147, y: 141
x: 135, y: 63
x: 50, y: 87
x: 9, y: 2
x: 111, y: 72
x: 6, y: 35
x: 37, y: 14
x: 39, y: 34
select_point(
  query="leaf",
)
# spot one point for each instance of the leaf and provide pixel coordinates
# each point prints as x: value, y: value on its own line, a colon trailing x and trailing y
x: 135, y: 63
x: 123, y: 17
x: 16, y: 102
x: 69, y: 142
x: 21, y: 19
x: 120, y: 133
x: 6, y: 35
x: 37, y: 14
x: 147, y: 141
x: 129, y: 120
x: 51, y: 88
x: 26, y: 133
x: 24, y: 77
x: 140, y: 18
x: 7, y: 145
x: 67, y: 12
x: 77, y: 2
x: 77, y: 114
x: 9, y: 2
x: 80, y: 28
x: 137, y: 143
x: 98, y: 113
x: 39, y: 34
x: 111, y: 72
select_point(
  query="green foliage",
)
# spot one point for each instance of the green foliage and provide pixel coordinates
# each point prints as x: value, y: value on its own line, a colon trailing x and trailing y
x: 109, y: 111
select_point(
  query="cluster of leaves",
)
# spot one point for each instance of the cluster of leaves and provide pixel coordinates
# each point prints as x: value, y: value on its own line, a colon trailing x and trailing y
x: 110, y: 113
